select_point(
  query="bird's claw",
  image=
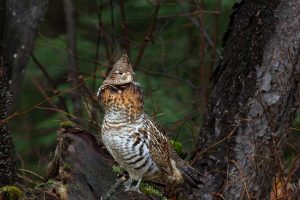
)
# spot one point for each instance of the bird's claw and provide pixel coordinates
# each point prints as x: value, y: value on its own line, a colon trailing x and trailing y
x: 132, y: 189
x: 127, y: 183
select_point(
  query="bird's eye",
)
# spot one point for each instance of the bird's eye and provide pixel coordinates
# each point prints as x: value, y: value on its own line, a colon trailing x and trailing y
x: 118, y: 72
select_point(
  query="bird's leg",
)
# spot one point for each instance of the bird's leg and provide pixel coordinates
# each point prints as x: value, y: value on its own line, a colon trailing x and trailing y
x: 127, y: 184
x: 135, y: 188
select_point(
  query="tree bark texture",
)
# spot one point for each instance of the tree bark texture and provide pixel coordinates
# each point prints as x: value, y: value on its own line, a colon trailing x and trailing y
x: 253, y: 101
x: 21, y: 26
x: 7, y: 162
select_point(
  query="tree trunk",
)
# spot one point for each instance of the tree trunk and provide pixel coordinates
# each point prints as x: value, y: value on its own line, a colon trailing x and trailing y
x: 7, y: 162
x: 253, y: 101
x: 22, y: 19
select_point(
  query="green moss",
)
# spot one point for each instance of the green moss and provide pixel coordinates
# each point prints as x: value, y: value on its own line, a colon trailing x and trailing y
x: 67, y: 166
x: 117, y: 170
x: 48, y: 184
x: 149, y: 189
x: 67, y: 124
x: 12, y: 192
x: 178, y: 148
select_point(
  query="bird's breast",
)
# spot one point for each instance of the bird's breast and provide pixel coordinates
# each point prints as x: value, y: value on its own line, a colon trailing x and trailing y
x: 128, y: 99
x: 131, y: 151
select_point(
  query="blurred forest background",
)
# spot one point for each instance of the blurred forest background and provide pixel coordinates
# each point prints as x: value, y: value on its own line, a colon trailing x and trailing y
x: 174, y: 48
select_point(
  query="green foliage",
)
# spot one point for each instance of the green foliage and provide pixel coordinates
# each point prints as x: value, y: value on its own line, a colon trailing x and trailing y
x: 66, y: 124
x: 117, y: 170
x: 48, y: 184
x: 12, y: 192
x: 178, y: 148
x: 150, y: 189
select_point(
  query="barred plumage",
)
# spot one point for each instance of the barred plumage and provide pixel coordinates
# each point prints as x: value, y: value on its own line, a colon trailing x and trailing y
x: 137, y: 143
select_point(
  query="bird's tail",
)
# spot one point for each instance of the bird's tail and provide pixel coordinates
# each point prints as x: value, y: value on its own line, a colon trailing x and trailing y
x: 190, y: 175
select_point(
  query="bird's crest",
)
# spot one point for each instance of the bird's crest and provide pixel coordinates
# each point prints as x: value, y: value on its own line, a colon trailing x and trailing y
x: 122, y: 65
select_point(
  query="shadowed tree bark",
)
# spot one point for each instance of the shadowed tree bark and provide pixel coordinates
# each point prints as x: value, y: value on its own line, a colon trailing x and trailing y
x: 7, y: 162
x: 22, y: 20
x: 253, y: 101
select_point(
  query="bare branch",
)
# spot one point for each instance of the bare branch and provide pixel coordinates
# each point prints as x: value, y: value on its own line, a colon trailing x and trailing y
x: 124, y: 27
x: 149, y: 35
x: 72, y: 60
x: 51, y: 82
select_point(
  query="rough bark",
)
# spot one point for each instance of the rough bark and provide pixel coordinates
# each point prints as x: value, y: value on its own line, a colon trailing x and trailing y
x: 22, y: 21
x: 7, y: 162
x: 253, y: 101
x: 82, y: 169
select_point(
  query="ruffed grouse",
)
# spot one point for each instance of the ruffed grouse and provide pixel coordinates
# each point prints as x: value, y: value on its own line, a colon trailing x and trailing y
x: 136, y: 142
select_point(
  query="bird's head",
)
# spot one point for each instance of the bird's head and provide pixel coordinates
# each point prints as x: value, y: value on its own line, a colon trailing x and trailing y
x: 121, y: 73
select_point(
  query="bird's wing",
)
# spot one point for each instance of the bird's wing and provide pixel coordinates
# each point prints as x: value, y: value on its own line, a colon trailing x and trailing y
x: 159, y: 146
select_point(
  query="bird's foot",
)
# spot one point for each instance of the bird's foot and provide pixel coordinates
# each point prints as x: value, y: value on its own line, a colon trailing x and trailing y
x: 128, y: 183
x: 130, y: 188
x: 133, y: 189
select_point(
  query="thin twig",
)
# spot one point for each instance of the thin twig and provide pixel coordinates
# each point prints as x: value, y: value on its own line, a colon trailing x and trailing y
x: 220, y: 141
x: 111, y: 6
x: 43, y: 92
x: 51, y: 82
x: 35, y: 106
x: 190, y: 14
x: 27, y: 179
x: 57, y: 110
x: 149, y: 35
x: 99, y: 14
x: 209, y: 40
x: 203, y: 68
x: 124, y: 27
x: 72, y: 54
x: 95, y: 104
x: 31, y: 172
x: 170, y: 77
